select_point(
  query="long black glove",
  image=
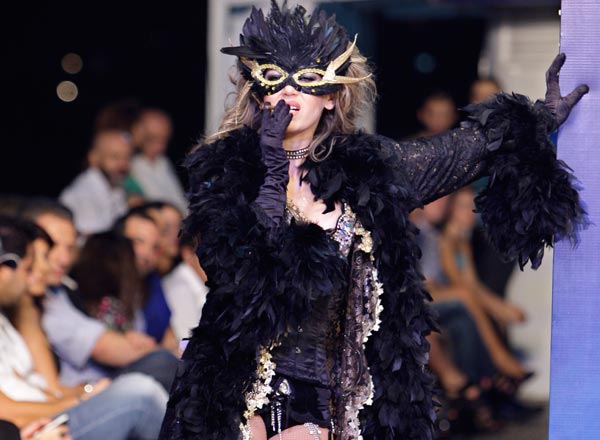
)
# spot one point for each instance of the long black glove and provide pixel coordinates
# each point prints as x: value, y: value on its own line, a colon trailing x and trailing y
x: 272, y: 193
x: 560, y: 106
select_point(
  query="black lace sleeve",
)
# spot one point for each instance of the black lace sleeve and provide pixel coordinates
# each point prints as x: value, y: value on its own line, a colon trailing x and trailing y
x: 531, y: 196
x: 439, y: 165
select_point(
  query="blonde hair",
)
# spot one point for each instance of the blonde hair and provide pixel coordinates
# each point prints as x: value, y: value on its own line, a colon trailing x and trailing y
x: 352, y: 102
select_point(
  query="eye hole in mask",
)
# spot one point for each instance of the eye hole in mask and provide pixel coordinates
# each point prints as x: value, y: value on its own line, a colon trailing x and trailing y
x: 273, y: 75
x: 309, y: 77
x: 270, y: 74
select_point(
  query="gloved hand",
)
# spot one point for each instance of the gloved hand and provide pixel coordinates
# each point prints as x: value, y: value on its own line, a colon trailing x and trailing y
x: 272, y: 193
x: 560, y: 106
x: 272, y: 131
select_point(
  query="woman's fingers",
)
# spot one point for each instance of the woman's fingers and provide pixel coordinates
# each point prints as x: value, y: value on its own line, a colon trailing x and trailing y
x: 554, y: 69
x: 282, y: 114
x: 281, y: 110
x: 552, y: 84
x: 573, y: 98
x: 560, y: 106
x: 28, y: 430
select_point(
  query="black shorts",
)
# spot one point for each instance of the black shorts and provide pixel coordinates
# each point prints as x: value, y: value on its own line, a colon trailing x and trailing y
x: 295, y: 402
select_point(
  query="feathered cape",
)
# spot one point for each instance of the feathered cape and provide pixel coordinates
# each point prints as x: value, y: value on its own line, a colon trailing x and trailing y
x: 262, y: 283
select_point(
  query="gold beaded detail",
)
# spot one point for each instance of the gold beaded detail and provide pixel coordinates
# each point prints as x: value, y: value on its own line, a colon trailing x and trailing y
x: 366, y: 244
x: 256, y: 398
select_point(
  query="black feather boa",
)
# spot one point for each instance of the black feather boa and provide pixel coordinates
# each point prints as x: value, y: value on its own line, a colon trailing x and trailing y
x: 263, y: 283
x: 531, y: 197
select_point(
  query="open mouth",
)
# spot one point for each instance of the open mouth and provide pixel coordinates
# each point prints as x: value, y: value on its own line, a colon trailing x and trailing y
x: 294, y: 106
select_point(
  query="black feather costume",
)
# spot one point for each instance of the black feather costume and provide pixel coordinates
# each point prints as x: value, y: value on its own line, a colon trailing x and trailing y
x: 262, y: 284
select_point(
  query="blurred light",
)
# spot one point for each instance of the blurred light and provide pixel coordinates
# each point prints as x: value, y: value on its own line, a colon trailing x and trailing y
x: 72, y: 63
x: 67, y: 91
x: 425, y: 63
x: 444, y: 425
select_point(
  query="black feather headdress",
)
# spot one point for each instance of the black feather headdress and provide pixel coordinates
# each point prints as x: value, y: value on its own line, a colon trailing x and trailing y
x: 309, y: 52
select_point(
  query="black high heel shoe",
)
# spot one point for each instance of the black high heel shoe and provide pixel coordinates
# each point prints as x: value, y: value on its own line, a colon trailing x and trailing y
x: 467, y: 410
x: 506, y: 386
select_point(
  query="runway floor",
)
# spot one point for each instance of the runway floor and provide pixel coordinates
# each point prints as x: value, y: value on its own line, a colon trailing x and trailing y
x: 534, y: 429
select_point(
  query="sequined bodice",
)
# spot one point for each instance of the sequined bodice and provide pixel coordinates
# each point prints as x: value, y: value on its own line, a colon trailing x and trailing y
x: 343, y: 232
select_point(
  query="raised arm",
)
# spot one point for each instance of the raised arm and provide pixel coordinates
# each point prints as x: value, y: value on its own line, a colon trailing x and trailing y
x: 531, y: 196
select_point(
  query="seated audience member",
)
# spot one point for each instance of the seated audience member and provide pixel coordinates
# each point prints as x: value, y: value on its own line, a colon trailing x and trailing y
x: 120, y: 115
x: 168, y: 218
x: 185, y: 290
x: 150, y: 167
x: 110, y: 288
x: 27, y: 313
x: 454, y: 318
x: 87, y: 349
x: 96, y: 197
x: 131, y: 406
x: 459, y: 274
x: 437, y: 113
x: 140, y: 227
x: 482, y: 89
x: 457, y: 355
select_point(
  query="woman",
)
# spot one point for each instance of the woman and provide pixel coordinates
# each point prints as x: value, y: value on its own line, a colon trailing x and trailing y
x: 109, y: 284
x: 316, y: 322
x: 460, y: 275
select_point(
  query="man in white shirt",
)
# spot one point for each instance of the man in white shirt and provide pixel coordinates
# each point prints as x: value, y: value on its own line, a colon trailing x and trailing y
x: 151, y: 168
x: 185, y: 290
x: 96, y: 196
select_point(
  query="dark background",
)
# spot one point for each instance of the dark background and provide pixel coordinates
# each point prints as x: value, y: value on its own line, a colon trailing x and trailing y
x: 156, y: 53
x: 153, y: 52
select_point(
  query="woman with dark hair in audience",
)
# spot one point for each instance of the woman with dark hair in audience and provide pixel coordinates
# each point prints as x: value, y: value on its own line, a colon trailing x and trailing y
x: 459, y: 274
x: 109, y: 284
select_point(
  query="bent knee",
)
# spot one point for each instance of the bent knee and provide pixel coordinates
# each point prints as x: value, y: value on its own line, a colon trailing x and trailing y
x: 140, y: 386
x: 258, y: 429
x: 463, y: 294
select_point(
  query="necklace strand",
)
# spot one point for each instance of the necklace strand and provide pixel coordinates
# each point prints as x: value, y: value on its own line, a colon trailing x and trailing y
x: 297, y: 154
